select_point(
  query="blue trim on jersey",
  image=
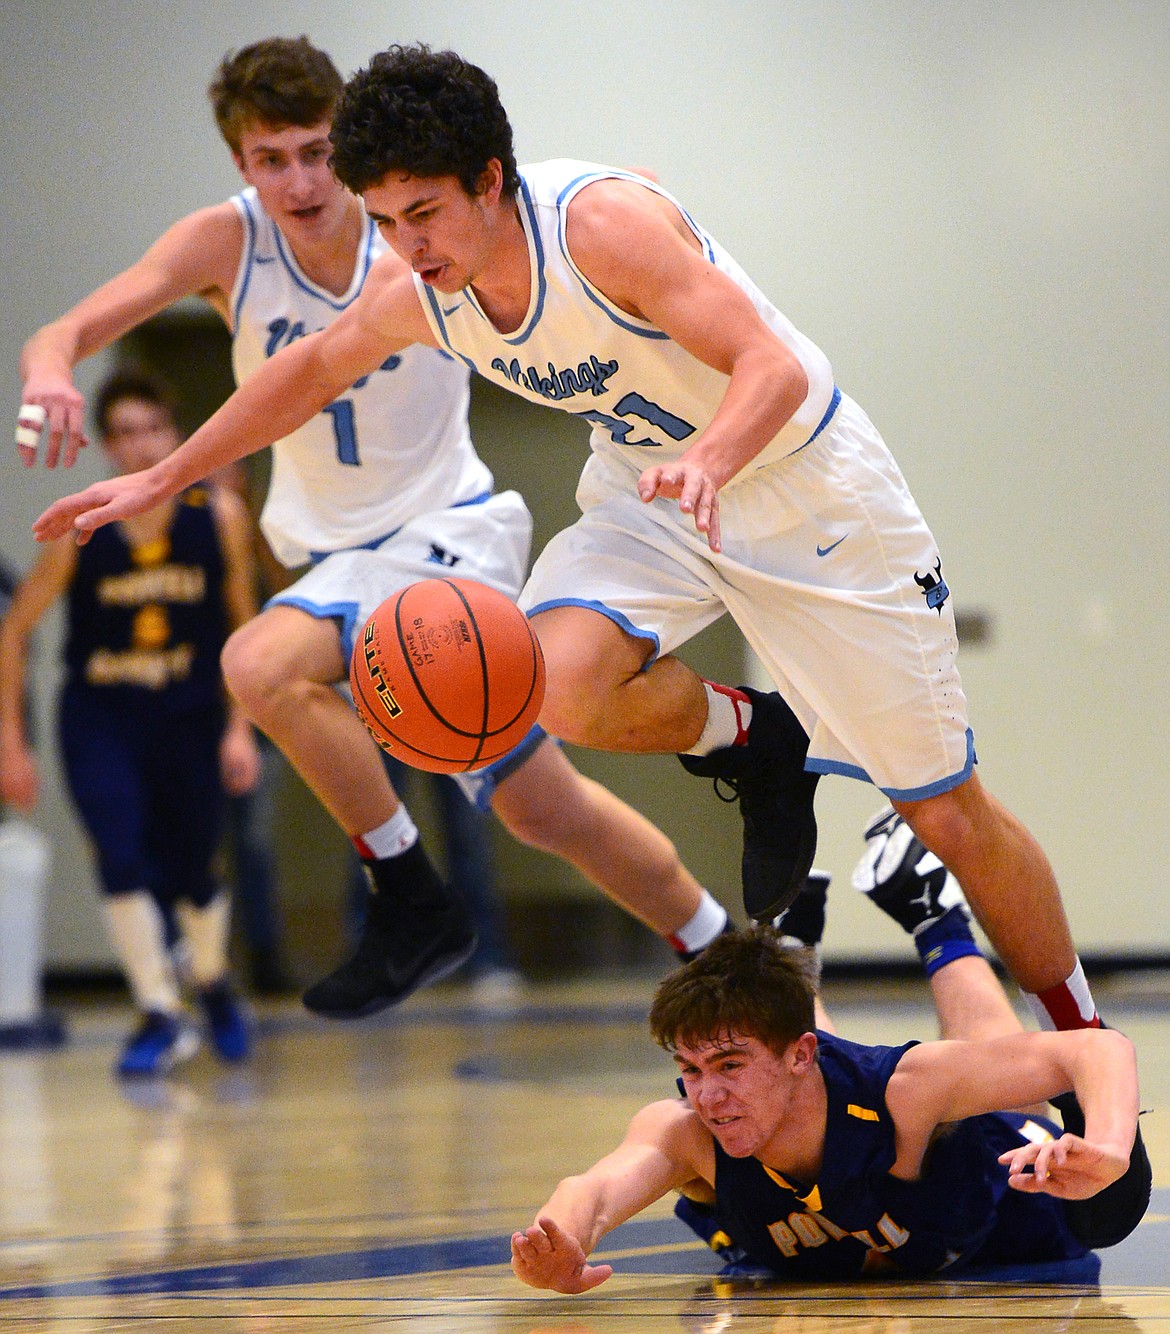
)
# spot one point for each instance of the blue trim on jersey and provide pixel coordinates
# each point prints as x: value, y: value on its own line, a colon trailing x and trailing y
x: 317, y: 293
x: 834, y: 404
x: 622, y: 622
x: 348, y: 611
x: 316, y: 557
x: 249, y: 251
x: 441, y: 325
x: 524, y: 332
x: 368, y: 259
x: 819, y: 766
x: 601, y: 305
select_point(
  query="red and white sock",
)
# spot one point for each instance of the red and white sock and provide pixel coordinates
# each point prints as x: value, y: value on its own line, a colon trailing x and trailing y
x: 708, y: 922
x: 1067, y: 1005
x: 391, y: 838
x: 729, y: 715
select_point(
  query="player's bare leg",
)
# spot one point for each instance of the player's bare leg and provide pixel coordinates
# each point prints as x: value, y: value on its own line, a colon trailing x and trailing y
x: 281, y: 667
x: 1005, y: 876
x: 603, y: 691
x: 549, y: 805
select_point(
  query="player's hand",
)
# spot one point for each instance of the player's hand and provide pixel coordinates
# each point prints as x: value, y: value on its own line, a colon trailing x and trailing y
x: 693, y: 488
x: 1070, y: 1167
x: 52, y: 409
x: 19, y: 782
x: 102, y: 503
x: 545, y: 1256
x: 239, y: 759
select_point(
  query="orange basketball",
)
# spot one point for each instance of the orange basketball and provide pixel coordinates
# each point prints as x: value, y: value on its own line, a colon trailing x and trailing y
x: 447, y: 675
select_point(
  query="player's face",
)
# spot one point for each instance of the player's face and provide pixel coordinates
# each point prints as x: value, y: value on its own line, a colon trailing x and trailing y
x: 741, y: 1090
x: 139, y: 434
x: 289, y: 166
x: 442, y: 232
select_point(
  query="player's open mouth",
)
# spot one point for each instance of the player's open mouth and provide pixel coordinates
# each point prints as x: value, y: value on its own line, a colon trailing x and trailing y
x: 307, y: 214
x: 431, y: 272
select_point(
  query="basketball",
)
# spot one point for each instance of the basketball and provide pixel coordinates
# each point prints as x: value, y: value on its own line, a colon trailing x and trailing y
x: 447, y: 675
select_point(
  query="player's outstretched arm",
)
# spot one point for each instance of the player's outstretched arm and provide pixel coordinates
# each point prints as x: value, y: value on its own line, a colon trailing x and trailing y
x: 944, y: 1081
x: 663, y: 1150
x: 283, y: 394
x: 197, y: 256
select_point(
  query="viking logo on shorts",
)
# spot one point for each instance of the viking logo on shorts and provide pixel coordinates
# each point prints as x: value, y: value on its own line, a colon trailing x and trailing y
x: 934, y: 587
x: 381, y: 689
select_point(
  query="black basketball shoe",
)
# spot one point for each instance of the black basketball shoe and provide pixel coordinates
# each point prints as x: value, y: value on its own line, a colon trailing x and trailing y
x: 414, y: 933
x: 775, y: 794
x: 803, y: 921
x: 902, y: 877
x: 1112, y: 1214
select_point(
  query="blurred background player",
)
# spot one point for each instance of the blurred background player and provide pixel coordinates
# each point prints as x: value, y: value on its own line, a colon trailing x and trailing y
x: 381, y: 488
x: 147, y: 740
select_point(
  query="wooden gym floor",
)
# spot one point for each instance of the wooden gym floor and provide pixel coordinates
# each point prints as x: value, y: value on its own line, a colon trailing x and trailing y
x: 367, y: 1177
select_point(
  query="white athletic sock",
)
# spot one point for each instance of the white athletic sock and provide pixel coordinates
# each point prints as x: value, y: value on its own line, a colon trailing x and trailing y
x: 138, y: 934
x: 729, y: 714
x: 205, y: 931
x: 390, y: 839
x: 1067, y: 1005
x: 709, y: 920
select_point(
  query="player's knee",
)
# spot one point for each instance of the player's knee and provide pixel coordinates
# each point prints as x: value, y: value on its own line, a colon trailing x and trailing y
x: 948, y: 825
x: 575, y: 698
x: 252, y: 670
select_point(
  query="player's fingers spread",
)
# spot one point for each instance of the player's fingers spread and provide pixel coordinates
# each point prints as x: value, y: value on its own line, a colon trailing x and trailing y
x: 595, y: 1274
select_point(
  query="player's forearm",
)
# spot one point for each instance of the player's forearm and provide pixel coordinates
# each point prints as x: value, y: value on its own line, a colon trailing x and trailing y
x: 53, y: 350
x: 1103, y: 1071
x: 289, y: 389
x: 763, y: 394
x: 577, y: 1205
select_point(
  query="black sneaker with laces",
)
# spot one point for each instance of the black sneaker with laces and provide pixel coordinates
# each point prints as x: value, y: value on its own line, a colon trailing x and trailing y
x: 775, y: 794
x: 1112, y: 1214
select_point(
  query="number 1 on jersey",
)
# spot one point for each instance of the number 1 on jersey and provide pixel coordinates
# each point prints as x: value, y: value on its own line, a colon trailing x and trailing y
x: 344, y: 431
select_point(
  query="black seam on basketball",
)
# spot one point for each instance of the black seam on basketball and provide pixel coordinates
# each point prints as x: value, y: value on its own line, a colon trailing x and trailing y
x: 458, y: 765
x: 418, y: 686
x: 483, y: 732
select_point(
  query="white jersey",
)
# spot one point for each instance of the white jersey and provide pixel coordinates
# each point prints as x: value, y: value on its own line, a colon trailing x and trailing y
x: 646, y: 397
x: 394, y: 446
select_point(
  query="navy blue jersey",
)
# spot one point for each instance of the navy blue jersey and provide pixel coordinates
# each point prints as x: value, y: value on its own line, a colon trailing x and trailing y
x: 146, y: 623
x: 856, y: 1218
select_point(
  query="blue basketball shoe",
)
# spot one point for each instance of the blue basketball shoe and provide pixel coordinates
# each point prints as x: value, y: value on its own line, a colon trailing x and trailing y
x: 157, y: 1045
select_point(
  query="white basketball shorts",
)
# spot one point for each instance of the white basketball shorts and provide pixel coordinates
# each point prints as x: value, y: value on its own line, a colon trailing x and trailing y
x: 831, y: 574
